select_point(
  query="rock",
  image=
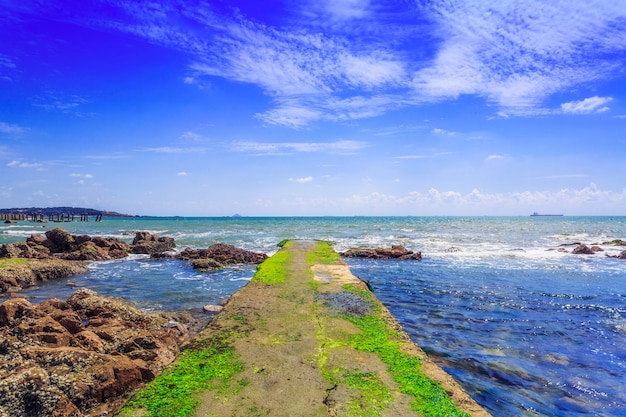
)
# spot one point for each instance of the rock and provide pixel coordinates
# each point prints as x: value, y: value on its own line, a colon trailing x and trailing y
x: 622, y: 255
x: 582, y: 250
x: 453, y: 249
x: 147, y: 243
x: 217, y: 256
x: 596, y: 249
x: 616, y: 242
x: 212, y: 308
x: 208, y: 264
x: 396, y: 252
x: 60, y: 240
x: 25, y: 274
x: 63, y: 358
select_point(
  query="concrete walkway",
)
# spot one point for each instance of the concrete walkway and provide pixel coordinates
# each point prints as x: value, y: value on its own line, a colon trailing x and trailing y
x: 315, y: 342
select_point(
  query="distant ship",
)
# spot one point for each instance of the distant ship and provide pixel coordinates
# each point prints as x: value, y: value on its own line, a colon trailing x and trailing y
x: 537, y: 214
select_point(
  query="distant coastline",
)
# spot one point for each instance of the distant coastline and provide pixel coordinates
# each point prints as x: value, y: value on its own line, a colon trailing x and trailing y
x: 53, y: 211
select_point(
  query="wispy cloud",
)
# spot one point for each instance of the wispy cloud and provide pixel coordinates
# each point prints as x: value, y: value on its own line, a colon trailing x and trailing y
x: 589, y: 105
x: 562, y: 176
x: 11, y: 129
x: 494, y: 157
x: 372, y: 62
x: 61, y: 102
x: 516, y: 56
x: 424, y: 156
x: 25, y: 165
x: 182, y: 174
x: 278, y: 148
x: 77, y: 175
x: 301, y: 180
x: 443, y: 132
x: 175, y: 149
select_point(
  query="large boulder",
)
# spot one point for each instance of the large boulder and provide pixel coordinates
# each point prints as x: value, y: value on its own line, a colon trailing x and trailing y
x: 583, y: 250
x: 69, y: 358
x: 60, y: 240
x: 147, y: 243
x: 396, y: 252
x: 217, y: 256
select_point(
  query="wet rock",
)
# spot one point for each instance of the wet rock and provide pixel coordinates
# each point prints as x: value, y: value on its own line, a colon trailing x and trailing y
x: 217, y: 256
x: 59, y: 244
x: 63, y: 358
x: 20, y: 275
x: 60, y: 240
x: 147, y: 243
x: 622, y: 255
x: 396, y: 252
x: 616, y: 242
x: 582, y: 250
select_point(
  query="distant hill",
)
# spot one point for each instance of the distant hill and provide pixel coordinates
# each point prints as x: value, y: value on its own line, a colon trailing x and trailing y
x: 51, y: 211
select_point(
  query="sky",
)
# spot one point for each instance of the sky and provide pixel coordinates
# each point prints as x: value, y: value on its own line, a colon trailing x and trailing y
x: 320, y: 107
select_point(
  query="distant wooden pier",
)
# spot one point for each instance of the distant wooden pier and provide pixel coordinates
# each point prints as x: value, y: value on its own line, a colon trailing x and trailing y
x: 41, y: 218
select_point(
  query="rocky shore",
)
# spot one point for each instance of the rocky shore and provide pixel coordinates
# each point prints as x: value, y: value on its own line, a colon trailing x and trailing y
x: 83, y: 356
x: 80, y: 357
x: 59, y: 254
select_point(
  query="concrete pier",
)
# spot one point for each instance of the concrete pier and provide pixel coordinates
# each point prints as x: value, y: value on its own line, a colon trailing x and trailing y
x: 305, y: 337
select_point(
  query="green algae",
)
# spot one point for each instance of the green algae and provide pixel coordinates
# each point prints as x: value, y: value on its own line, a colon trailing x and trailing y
x: 377, y: 336
x: 9, y: 262
x: 274, y: 269
x: 210, y: 365
x: 375, y: 395
x: 323, y: 254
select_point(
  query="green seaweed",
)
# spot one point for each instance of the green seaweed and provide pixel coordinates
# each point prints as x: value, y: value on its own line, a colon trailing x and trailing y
x: 9, y: 262
x: 274, y: 269
x: 377, y: 336
x: 209, y: 366
x: 375, y: 395
x: 323, y: 254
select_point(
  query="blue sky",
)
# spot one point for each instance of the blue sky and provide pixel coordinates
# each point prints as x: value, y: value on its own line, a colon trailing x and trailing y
x: 321, y: 107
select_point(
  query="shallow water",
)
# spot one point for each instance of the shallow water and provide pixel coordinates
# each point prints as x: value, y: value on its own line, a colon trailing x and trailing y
x: 527, y: 330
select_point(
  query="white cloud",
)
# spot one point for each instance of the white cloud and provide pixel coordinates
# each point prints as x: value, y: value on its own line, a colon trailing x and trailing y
x: 277, y: 148
x: 346, y: 9
x: 182, y: 174
x: 494, y: 157
x: 589, y: 105
x: 11, y: 129
x: 301, y: 180
x: 61, y: 102
x: 517, y: 56
x: 174, y: 150
x: 77, y: 175
x: 26, y: 165
x: 587, y: 200
x: 443, y: 132
x: 513, y: 55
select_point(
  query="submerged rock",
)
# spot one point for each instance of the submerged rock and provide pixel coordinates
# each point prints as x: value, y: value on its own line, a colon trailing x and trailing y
x: 622, y: 255
x: 79, y: 357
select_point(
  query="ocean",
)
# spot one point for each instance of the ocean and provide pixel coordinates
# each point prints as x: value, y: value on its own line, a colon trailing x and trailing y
x: 527, y: 330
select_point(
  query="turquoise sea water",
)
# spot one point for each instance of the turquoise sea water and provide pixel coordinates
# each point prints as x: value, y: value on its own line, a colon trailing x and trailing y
x: 526, y: 329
